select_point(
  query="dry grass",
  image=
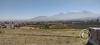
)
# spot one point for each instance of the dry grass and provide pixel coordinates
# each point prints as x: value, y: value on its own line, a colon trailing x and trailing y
x: 41, y: 37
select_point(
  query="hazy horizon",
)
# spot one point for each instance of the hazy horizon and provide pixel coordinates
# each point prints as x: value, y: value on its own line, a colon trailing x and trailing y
x: 26, y: 9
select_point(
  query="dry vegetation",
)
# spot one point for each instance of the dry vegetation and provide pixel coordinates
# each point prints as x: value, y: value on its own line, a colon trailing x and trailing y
x: 40, y: 37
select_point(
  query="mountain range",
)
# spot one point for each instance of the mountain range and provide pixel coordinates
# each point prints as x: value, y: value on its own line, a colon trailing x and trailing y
x: 82, y: 15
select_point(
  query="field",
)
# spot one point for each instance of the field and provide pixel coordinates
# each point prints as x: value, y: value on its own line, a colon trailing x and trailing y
x: 41, y: 37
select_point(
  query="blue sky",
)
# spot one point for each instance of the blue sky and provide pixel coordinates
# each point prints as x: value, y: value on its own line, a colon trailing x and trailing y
x: 24, y: 9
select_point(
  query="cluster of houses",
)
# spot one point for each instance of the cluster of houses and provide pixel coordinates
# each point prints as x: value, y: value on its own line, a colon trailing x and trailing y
x: 8, y: 25
x: 13, y: 25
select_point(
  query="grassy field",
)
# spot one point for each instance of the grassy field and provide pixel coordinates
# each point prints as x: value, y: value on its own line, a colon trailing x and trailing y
x: 41, y: 37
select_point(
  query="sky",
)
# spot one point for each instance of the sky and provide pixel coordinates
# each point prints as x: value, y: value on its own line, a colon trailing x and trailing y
x: 25, y: 9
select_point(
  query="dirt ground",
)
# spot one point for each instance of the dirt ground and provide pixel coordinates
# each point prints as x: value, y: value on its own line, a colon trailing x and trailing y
x: 41, y: 37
